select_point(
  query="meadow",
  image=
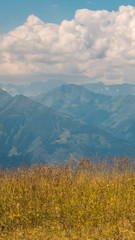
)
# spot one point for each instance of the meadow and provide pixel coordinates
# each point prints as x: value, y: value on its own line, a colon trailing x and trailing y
x: 82, y: 200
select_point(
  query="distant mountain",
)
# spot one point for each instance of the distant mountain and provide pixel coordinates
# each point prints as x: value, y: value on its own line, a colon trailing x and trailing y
x: 113, y: 114
x: 13, y: 89
x: 77, y: 101
x: 112, y: 90
x: 66, y: 98
x: 32, y: 89
x: 31, y: 132
x: 37, y: 88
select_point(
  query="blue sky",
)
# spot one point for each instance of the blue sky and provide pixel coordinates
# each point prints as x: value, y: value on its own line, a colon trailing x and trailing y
x: 15, y: 12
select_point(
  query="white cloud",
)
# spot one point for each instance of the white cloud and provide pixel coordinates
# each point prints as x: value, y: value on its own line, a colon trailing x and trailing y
x: 96, y: 44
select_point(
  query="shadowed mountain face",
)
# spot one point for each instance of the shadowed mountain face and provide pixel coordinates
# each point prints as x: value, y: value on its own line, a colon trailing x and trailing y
x: 31, y: 132
x: 113, y: 114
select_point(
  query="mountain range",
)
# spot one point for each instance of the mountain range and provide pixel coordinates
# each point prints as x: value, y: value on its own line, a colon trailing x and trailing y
x: 31, y: 89
x: 37, y: 87
x: 112, y: 90
x: 114, y: 114
x: 31, y: 132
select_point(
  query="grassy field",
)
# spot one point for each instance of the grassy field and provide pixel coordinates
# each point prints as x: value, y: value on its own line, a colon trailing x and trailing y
x: 77, y: 201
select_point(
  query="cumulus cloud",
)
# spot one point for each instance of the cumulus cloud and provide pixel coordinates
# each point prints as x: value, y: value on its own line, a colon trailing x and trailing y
x: 96, y: 44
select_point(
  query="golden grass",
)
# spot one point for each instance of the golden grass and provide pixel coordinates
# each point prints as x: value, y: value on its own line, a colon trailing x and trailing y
x: 78, y: 201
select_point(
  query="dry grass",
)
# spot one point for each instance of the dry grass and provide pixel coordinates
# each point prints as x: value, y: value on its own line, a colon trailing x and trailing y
x: 80, y: 200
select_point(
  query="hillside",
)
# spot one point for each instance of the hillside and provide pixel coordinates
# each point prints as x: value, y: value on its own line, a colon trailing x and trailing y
x: 113, y: 114
x: 31, y: 132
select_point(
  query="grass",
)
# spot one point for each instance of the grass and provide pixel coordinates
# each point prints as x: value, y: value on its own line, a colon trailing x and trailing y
x: 79, y: 201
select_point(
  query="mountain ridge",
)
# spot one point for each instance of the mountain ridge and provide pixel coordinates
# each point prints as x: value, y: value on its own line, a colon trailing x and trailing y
x: 107, y: 112
x: 31, y: 132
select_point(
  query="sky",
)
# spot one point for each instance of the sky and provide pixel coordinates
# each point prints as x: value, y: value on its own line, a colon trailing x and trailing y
x: 74, y: 40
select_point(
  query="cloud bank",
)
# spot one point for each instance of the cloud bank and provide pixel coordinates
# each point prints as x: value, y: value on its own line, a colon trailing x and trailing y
x: 97, y: 44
